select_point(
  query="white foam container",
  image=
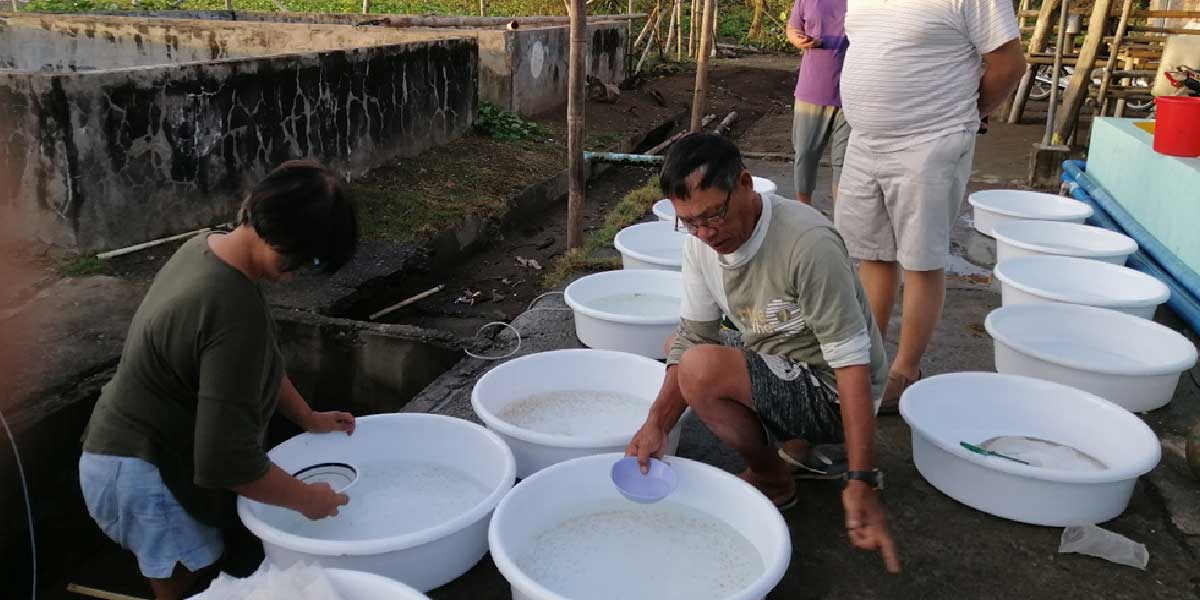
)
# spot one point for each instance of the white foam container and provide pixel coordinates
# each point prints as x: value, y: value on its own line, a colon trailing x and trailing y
x: 972, y: 407
x: 664, y: 210
x: 564, y: 370
x: 563, y: 491
x: 1035, y: 279
x: 360, y: 585
x: 993, y: 207
x: 423, y: 559
x: 653, y: 245
x: 602, y: 330
x: 1015, y: 239
x: 1133, y: 362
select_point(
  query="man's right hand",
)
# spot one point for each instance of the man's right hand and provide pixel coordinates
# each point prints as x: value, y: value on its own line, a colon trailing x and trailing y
x: 321, y: 501
x: 649, y: 441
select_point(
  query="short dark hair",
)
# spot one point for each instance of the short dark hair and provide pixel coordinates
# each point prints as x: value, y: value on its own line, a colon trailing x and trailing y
x: 718, y: 157
x: 303, y: 211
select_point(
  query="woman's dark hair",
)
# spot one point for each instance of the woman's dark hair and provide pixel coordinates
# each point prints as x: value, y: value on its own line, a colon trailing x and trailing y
x: 718, y: 157
x: 302, y: 210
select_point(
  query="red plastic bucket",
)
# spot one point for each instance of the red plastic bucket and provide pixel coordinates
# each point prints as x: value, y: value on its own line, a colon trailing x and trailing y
x: 1177, y: 126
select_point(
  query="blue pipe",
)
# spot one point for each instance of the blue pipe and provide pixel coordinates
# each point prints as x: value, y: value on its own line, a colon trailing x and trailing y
x: 1152, y: 258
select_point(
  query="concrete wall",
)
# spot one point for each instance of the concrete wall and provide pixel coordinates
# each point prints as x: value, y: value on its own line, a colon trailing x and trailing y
x: 107, y: 158
x: 523, y: 70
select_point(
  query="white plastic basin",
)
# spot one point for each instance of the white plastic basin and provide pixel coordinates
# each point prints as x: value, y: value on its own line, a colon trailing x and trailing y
x: 360, y: 585
x: 1033, y: 279
x: 1024, y: 238
x: 973, y: 407
x: 616, y: 561
x: 627, y: 311
x: 993, y: 207
x: 392, y: 539
x: 1133, y: 362
x: 569, y: 371
x: 664, y: 210
x: 763, y: 185
x: 654, y: 245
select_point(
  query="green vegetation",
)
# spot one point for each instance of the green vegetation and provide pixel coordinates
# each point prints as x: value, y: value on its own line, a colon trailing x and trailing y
x: 630, y: 210
x: 82, y: 266
x: 507, y: 127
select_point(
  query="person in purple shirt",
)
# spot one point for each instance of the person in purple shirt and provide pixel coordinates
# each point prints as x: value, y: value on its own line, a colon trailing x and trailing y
x: 816, y: 28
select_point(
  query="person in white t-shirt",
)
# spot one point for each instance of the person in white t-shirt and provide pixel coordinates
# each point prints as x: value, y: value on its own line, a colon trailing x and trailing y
x: 918, y: 76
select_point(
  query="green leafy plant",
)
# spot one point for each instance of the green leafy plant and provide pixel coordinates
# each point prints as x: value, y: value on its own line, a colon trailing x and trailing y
x: 82, y: 266
x: 505, y: 126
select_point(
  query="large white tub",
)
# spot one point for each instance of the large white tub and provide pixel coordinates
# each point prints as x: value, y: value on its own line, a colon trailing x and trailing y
x: 568, y: 527
x: 1131, y: 361
x: 605, y: 426
x: 665, y: 211
x: 1035, y: 279
x: 993, y: 207
x: 359, y: 585
x: 1015, y: 239
x: 631, y: 311
x: 419, y: 511
x: 945, y: 410
x: 653, y: 245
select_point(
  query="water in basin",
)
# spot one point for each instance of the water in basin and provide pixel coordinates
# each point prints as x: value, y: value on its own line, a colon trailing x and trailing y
x: 1089, y: 354
x: 390, y: 498
x: 1043, y: 453
x: 638, y: 305
x: 663, y: 551
x: 577, y: 413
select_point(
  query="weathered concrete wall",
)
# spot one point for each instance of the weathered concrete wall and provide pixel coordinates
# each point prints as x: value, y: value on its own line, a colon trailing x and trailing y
x: 523, y: 70
x: 107, y: 158
x: 71, y: 43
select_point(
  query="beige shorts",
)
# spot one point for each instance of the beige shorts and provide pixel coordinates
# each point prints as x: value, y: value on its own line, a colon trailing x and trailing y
x: 901, y: 206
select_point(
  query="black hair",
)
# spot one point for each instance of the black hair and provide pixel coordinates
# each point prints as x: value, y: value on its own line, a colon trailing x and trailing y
x: 303, y: 211
x: 719, y: 158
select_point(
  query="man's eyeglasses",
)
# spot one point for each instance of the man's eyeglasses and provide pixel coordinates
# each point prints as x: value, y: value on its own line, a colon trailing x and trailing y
x: 711, y: 221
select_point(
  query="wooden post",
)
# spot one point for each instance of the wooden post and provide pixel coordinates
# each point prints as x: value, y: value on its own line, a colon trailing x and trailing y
x: 1037, y: 43
x: 483, y: 8
x: 716, y: 28
x: 366, y: 7
x: 706, y: 42
x: 679, y: 29
x: 576, y: 169
x: 1114, y: 48
x: 1059, y: 49
x: 1077, y: 89
x: 228, y: 4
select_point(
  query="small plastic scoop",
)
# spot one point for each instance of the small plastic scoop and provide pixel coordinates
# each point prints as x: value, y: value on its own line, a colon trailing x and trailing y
x: 653, y: 486
x: 339, y: 475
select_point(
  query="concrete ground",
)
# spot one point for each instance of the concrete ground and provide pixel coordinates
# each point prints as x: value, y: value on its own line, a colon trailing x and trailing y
x: 949, y: 550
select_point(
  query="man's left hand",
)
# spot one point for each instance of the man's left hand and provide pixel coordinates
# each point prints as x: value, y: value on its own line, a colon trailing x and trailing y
x: 866, y: 523
x: 325, y: 422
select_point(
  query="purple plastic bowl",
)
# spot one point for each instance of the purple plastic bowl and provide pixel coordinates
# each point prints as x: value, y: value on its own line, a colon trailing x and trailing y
x: 644, y: 488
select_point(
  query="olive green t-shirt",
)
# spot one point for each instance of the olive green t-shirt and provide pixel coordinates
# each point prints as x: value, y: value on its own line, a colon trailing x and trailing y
x: 197, y: 383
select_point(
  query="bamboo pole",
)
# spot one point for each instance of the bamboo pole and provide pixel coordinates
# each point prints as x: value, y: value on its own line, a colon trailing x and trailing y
x: 1113, y: 49
x: 1037, y: 43
x: 692, y: 18
x: 646, y: 51
x: 679, y: 28
x: 670, y: 26
x: 701, y: 89
x: 228, y: 4
x: 716, y: 20
x: 1058, y: 52
x: 366, y: 6
x: 650, y: 21
x: 483, y: 8
x: 1077, y: 89
x: 576, y: 166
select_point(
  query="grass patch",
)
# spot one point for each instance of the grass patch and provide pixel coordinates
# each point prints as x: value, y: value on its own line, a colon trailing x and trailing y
x: 630, y: 210
x: 82, y: 266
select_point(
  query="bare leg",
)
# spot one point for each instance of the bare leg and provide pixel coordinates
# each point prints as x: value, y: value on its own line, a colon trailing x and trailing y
x: 176, y: 586
x: 881, y: 280
x: 716, y: 384
x: 924, y: 294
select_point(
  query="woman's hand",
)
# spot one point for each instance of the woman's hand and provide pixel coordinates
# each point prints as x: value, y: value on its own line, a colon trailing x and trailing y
x: 325, y: 422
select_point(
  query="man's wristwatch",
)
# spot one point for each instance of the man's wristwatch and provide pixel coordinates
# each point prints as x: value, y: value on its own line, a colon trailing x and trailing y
x: 873, y: 478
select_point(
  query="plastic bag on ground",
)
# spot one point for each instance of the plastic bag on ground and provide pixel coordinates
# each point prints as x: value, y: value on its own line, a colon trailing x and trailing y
x: 1102, y: 543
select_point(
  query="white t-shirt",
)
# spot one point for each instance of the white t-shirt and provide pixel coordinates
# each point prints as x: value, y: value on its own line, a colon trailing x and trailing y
x: 913, y: 67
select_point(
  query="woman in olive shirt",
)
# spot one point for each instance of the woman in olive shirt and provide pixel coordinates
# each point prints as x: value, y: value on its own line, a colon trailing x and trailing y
x: 180, y: 428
